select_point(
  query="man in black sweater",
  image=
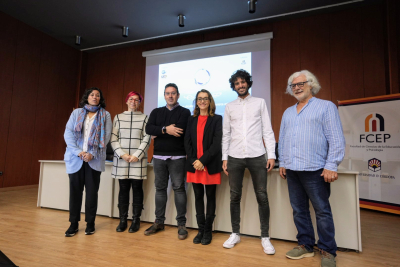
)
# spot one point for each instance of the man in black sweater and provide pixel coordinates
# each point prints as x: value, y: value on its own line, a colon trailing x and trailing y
x: 167, y: 125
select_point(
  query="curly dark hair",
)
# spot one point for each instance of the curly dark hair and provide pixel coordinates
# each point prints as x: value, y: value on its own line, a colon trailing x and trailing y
x: 84, y: 99
x: 240, y: 74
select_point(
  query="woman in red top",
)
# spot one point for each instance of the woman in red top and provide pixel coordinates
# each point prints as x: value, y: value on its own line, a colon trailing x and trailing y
x: 204, y: 160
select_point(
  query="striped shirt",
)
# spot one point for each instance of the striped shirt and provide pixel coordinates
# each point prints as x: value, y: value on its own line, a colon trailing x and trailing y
x: 129, y: 137
x: 312, y: 139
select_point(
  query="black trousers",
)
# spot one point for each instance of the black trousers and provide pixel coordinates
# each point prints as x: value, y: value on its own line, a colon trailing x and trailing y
x: 199, y: 198
x: 124, y: 189
x: 89, y: 179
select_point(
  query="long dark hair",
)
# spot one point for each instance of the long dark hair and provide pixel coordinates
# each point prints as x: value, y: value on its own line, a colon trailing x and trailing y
x: 84, y: 99
x: 240, y: 74
x: 211, y: 107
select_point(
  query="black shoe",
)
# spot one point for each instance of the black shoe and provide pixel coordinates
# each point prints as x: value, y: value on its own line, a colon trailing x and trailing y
x: 90, y: 229
x: 72, y: 230
x: 136, y: 213
x: 123, y: 224
x: 134, y: 226
x: 207, y: 237
x: 156, y: 227
x: 201, y: 219
x: 182, y: 232
x: 197, y: 239
x: 123, y: 217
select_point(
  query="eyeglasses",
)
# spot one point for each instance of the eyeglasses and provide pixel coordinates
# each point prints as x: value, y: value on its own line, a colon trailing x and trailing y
x: 170, y: 93
x: 300, y: 85
x: 134, y: 100
x: 202, y: 99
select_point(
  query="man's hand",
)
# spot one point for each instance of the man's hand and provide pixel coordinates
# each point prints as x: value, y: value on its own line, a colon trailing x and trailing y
x: 153, y: 137
x: 133, y: 159
x: 126, y: 157
x: 282, y: 172
x: 329, y: 176
x: 172, y: 130
x: 225, y: 166
x: 198, y: 165
x: 270, y: 164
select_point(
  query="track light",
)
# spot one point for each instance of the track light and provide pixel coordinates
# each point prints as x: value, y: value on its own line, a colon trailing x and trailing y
x: 252, y: 6
x: 125, y: 31
x: 77, y: 40
x: 181, y: 19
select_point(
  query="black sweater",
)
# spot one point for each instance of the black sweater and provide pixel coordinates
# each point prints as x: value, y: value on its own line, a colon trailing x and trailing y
x: 165, y: 144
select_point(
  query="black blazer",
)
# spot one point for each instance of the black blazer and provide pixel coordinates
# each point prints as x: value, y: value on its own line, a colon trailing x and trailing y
x: 212, y: 144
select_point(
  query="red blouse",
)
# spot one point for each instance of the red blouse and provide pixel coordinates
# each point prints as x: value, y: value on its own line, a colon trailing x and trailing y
x: 202, y: 177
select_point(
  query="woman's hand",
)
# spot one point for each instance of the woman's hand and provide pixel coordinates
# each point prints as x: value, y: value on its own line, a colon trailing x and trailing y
x: 198, y: 165
x: 126, y: 157
x: 87, y: 157
x: 80, y: 155
x: 133, y: 159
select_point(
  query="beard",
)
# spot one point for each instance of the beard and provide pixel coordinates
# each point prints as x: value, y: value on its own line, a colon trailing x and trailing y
x: 242, y: 94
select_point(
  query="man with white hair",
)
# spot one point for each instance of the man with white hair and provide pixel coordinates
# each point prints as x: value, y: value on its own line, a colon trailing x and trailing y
x: 311, y: 146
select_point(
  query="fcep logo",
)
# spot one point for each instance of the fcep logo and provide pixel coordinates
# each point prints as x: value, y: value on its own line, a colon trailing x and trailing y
x: 374, y: 124
x: 374, y: 165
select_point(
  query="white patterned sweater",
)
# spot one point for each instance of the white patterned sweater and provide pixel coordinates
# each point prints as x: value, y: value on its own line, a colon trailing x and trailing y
x: 129, y: 137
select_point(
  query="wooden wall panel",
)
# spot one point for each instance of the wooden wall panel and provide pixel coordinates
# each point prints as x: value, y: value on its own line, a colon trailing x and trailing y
x: 315, y: 50
x: 97, y: 70
x: 22, y: 118
x: 392, y: 25
x: 237, y: 32
x: 347, y: 79
x: 373, y: 50
x: 134, y: 72
x: 46, y: 106
x: 285, y: 59
x: 38, y: 77
x: 260, y: 28
x: 213, y: 36
x: 193, y: 39
x: 8, y: 46
x: 115, y: 89
x: 170, y: 43
x: 396, y: 24
x: 67, y: 80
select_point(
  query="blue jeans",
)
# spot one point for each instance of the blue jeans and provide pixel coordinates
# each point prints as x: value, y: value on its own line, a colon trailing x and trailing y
x: 258, y: 171
x: 305, y: 186
x: 163, y: 170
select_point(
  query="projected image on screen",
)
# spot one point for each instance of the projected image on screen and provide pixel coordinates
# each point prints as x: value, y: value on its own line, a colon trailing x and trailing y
x: 211, y: 74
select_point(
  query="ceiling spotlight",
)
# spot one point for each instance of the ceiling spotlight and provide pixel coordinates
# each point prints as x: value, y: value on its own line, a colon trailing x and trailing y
x: 252, y: 6
x: 77, y: 40
x: 125, y: 31
x: 181, y: 19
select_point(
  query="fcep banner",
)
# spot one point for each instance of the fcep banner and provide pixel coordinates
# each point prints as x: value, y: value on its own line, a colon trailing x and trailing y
x: 211, y: 74
x: 372, y: 131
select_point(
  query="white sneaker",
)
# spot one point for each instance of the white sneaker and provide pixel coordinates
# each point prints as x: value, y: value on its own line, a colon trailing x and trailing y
x: 267, y: 246
x: 232, y: 241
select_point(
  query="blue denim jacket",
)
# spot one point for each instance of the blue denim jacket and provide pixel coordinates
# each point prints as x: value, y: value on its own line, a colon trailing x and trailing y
x: 74, y: 147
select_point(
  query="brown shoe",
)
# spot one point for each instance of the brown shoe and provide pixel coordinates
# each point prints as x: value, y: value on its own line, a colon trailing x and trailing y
x: 182, y: 232
x: 327, y: 259
x: 156, y: 227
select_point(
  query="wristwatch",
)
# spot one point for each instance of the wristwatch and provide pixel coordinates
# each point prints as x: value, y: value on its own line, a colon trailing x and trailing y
x: 163, y: 130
